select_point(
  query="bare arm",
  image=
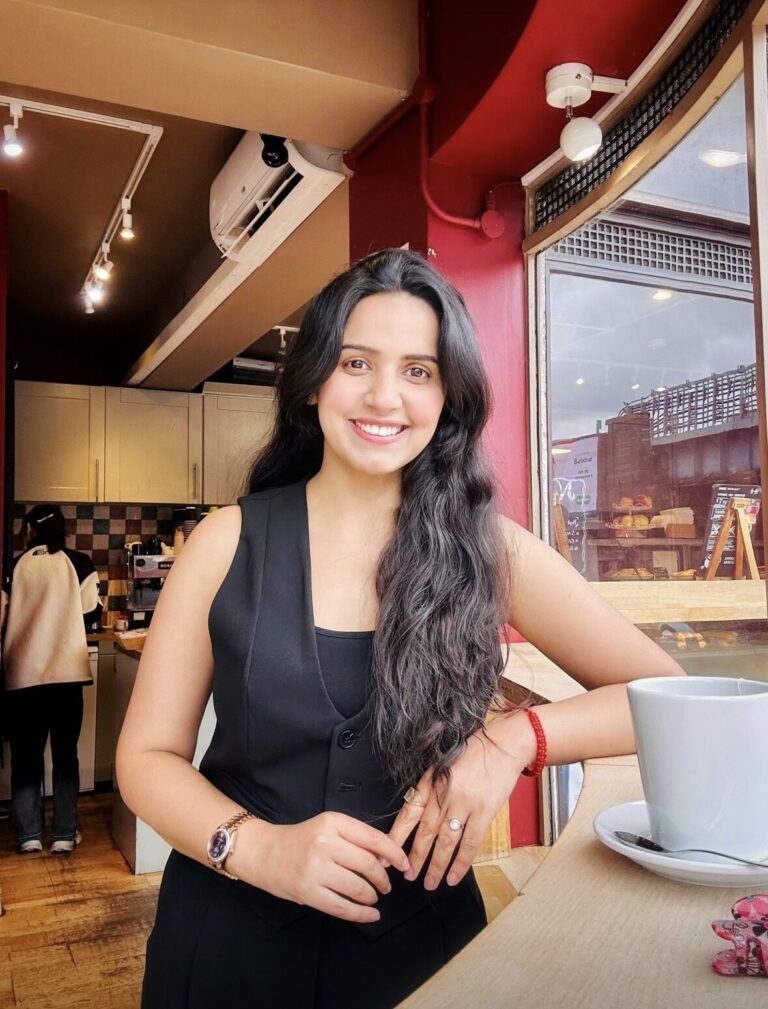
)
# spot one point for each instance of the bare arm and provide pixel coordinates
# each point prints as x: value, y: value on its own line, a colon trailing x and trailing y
x: 173, y: 684
x: 560, y: 613
x: 330, y: 861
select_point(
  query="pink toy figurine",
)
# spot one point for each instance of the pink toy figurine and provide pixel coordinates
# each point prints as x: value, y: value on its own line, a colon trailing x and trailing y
x: 749, y: 934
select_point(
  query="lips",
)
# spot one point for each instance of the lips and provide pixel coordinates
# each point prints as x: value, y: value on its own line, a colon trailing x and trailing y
x: 381, y: 433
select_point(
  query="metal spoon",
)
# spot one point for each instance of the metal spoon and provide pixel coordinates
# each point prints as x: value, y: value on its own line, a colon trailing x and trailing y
x: 638, y: 841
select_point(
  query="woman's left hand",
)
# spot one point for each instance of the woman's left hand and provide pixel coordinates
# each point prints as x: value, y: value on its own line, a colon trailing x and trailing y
x: 459, y: 811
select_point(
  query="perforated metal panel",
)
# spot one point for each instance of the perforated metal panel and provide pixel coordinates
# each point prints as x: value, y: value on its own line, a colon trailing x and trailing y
x: 684, y: 411
x: 656, y: 250
x: 573, y: 183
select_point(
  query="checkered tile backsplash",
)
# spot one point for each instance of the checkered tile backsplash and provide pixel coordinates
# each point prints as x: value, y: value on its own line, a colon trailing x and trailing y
x: 101, y: 531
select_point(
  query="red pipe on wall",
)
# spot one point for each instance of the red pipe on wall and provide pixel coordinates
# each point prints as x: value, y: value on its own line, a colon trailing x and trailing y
x: 491, y: 222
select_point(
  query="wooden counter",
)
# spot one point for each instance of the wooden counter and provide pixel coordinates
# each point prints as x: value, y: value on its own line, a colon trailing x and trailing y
x: 590, y: 929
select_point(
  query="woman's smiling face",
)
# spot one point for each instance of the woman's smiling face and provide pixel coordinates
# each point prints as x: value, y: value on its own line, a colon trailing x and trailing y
x: 380, y: 407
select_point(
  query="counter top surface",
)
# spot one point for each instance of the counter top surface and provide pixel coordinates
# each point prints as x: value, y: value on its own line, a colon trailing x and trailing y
x: 134, y: 653
x: 591, y: 929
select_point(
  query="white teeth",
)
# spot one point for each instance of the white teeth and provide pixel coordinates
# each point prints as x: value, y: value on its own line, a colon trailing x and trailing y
x: 378, y: 430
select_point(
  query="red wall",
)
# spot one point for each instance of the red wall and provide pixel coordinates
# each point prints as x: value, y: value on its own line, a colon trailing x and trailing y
x: 385, y: 205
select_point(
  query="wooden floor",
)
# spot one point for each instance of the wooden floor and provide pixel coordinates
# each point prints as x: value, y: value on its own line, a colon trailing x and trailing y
x: 75, y: 926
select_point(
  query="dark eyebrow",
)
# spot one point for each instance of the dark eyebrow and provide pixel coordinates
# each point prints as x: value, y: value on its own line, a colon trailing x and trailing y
x: 406, y: 357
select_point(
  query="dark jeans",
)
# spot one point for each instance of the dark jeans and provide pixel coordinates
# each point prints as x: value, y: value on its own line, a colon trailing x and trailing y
x: 33, y: 713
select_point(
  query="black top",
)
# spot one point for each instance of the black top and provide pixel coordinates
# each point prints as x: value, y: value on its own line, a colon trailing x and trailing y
x: 345, y: 661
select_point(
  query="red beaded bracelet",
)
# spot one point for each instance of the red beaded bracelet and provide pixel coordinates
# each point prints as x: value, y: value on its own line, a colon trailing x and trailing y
x: 534, y: 770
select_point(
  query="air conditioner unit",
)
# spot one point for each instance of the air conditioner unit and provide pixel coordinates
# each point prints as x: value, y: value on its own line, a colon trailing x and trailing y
x: 254, y: 208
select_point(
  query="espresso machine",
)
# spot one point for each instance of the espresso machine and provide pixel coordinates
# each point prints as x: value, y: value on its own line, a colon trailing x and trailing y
x: 146, y: 577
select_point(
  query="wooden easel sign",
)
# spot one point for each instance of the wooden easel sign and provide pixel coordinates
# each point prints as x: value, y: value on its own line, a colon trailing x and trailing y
x: 739, y: 515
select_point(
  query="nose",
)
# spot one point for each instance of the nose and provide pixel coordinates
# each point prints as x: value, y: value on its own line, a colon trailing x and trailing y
x: 383, y: 392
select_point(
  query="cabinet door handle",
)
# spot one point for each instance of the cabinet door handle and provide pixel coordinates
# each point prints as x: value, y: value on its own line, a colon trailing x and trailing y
x: 97, y: 479
x: 194, y: 481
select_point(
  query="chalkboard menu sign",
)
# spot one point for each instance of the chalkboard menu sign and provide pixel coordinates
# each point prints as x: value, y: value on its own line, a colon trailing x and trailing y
x: 571, y: 494
x: 721, y: 495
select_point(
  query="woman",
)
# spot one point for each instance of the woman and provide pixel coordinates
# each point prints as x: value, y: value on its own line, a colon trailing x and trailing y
x: 370, y: 508
x: 54, y: 593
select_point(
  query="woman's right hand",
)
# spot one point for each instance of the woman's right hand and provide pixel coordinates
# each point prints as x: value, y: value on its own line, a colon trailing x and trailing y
x: 332, y: 862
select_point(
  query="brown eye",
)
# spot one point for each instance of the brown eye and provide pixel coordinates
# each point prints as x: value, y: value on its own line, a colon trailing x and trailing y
x: 356, y: 364
x: 418, y: 372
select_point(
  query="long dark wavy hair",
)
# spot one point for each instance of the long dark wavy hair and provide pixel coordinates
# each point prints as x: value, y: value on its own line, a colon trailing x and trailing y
x: 442, y: 579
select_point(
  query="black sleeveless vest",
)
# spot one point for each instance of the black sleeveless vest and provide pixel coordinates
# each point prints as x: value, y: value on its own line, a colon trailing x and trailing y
x: 280, y: 747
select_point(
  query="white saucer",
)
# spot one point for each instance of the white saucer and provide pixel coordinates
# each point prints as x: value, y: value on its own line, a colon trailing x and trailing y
x: 705, y: 870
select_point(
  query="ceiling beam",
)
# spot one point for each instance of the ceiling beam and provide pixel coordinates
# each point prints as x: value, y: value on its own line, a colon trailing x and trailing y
x: 319, y: 72
x: 316, y: 251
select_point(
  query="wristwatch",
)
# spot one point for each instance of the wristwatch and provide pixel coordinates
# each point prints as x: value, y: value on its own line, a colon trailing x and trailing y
x: 221, y: 843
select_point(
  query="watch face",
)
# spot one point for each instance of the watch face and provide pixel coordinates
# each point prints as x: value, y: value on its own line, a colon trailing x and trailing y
x: 218, y: 845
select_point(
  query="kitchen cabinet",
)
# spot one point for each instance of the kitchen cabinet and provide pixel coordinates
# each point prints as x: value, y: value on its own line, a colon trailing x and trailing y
x: 237, y: 422
x: 59, y: 442
x: 153, y: 446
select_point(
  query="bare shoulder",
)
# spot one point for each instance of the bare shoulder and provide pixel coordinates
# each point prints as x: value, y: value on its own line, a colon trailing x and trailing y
x: 209, y: 551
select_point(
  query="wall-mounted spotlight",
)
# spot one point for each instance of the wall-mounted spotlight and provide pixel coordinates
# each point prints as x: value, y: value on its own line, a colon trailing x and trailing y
x: 126, y: 228
x: 568, y: 86
x: 12, y: 146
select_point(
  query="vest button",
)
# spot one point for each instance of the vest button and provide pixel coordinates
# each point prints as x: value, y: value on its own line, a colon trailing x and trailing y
x: 347, y: 739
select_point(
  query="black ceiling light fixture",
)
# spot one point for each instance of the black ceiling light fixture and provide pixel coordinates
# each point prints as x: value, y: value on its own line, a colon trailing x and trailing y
x: 274, y: 153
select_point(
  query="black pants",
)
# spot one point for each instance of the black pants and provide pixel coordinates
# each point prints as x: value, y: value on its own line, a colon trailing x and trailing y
x: 211, y: 946
x: 33, y: 713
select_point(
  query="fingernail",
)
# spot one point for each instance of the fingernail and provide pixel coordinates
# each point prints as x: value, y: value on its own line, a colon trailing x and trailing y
x: 374, y: 916
x: 387, y: 890
x: 405, y: 865
x: 384, y: 862
x: 429, y: 883
x: 411, y: 875
x: 453, y: 879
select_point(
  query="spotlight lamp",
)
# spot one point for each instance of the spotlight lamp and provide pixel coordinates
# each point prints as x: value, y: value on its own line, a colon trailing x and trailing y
x: 104, y: 269
x: 568, y: 86
x: 126, y: 228
x: 94, y: 292
x: 12, y: 146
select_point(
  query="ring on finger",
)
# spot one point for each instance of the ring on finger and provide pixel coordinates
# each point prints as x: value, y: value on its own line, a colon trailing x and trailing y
x: 455, y: 824
x: 414, y: 798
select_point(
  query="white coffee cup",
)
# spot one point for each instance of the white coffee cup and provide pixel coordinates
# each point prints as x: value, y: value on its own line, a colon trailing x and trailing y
x: 702, y: 743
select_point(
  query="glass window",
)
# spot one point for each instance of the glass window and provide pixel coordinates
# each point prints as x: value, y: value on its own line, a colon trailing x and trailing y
x: 652, y: 420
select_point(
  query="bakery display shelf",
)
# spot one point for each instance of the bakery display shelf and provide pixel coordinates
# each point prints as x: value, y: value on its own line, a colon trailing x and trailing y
x: 635, y: 540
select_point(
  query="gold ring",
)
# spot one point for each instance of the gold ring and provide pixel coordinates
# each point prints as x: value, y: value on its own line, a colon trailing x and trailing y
x: 413, y: 798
